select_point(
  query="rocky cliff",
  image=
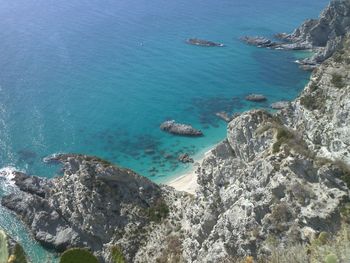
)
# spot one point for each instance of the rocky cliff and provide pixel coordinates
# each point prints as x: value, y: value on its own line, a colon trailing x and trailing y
x: 278, y: 180
x: 94, y: 205
x: 279, y: 176
x: 326, y: 33
x: 323, y: 36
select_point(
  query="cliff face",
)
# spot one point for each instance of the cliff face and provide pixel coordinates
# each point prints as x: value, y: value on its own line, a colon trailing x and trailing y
x: 277, y: 179
x: 94, y: 205
x: 277, y: 176
x: 326, y: 33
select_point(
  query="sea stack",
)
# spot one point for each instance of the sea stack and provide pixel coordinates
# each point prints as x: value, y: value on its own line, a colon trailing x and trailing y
x: 180, y: 129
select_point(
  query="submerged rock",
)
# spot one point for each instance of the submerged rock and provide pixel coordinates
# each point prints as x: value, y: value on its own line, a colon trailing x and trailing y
x: 180, y: 129
x: 256, y: 97
x: 203, y: 43
x: 224, y: 116
x: 185, y: 158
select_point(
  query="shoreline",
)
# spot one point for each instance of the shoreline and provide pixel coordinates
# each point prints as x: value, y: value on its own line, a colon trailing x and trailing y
x: 187, y: 181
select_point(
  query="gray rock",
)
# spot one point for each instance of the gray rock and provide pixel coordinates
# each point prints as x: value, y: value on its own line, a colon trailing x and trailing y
x: 180, y: 129
x: 224, y: 116
x: 259, y: 41
x: 203, y: 43
x: 185, y: 158
x: 256, y: 98
x: 279, y: 105
x: 323, y: 35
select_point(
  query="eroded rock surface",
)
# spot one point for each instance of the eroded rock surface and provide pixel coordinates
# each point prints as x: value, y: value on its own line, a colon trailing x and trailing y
x: 323, y: 35
x: 180, y: 129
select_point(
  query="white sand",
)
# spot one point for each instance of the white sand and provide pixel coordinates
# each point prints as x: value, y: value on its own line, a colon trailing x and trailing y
x: 187, y: 182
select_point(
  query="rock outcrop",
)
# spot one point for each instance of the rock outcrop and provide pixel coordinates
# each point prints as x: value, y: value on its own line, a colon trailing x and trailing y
x: 279, y: 105
x: 277, y: 179
x: 180, y: 129
x: 323, y: 35
x: 283, y: 177
x: 256, y: 97
x: 203, y: 43
x: 94, y: 204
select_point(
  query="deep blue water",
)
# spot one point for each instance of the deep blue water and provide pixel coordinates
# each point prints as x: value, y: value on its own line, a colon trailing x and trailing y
x: 98, y: 77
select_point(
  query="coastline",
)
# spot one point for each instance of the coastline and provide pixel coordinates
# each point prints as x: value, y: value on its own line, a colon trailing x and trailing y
x: 187, y: 181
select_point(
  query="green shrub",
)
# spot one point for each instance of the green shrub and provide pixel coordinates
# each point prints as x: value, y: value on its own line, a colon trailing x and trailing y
x: 308, y: 102
x: 313, y: 86
x: 117, y: 255
x: 337, y: 80
x: 282, y: 136
x: 331, y: 258
x: 78, y: 255
x: 344, y: 169
x: 157, y: 212
x: 18, y: 254
x: 4, y: 254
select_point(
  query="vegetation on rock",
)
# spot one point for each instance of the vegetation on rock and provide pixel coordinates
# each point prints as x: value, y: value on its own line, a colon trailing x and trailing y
x: 117, y: 255
x: 78, y: 255
x: 157, y: 212
x: 4, y: 255
x: 18, y: 255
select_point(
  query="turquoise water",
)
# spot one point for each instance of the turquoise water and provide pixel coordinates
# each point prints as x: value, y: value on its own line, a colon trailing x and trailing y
x: 98, y: 77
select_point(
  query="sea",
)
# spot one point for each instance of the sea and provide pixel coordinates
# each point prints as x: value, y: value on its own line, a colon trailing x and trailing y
x: 98, y: 77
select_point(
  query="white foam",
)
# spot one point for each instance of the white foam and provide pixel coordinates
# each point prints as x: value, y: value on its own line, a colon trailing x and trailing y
x: 7, y: 174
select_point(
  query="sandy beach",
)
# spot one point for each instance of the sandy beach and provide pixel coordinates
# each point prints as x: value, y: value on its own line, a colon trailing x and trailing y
x: 187, y: 182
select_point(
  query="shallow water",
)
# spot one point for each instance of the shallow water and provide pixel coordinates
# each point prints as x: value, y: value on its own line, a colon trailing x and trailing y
x: 98, y: 77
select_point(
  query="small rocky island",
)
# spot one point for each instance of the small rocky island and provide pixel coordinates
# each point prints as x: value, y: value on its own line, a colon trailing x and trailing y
x: 203, y: 43
x: 180, y: 129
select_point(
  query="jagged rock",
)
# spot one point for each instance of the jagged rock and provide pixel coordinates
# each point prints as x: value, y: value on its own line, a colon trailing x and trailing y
x: 180, y: 129
x: 281, y: 176
x: 270, y: 177
x: 256, y: 98
x: 279, y: 105
x: 93, y: 203
x: 185, y: 158
x: 323, y: 35
x: 259, y: 41
x: 203, y: 43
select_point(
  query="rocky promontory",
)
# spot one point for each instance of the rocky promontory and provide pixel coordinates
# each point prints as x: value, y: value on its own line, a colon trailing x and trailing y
x: 94, y: 204
x: 323, y: 35
x: 276, y: 189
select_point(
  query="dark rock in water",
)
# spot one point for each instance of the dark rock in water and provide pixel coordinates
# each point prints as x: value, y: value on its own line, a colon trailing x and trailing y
x: 256, y: 97
x: 259, y: 41
x: 224, y: 116
x: 203, y: 43
x: 180, y: 129
x: 280, y: 105
x: 150, y: 151
x: 26, y: 155
x: 307, y: 66
x: 185, y: 158
x: 168, y: 156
